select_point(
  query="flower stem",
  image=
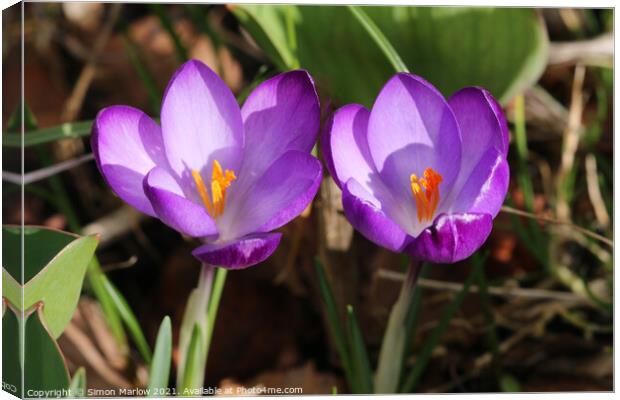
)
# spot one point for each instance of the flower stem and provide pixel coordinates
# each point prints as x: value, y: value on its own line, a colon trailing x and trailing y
x: 393, y: 346
x: 195, y: 314
x: 214, y: 303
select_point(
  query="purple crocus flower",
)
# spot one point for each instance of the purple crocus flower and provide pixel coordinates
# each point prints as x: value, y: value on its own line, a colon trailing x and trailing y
x: 420, y: 174
x: 213, y: 171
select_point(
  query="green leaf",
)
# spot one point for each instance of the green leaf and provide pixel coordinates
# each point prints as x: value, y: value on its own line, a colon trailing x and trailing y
x: 485, y: 302
x: 375, y: 33
x: 335, y: 326
x: 130, y: 320
x: 45, y: 368
x: 411, y: 321
x: 268, y: 26
x: 214, y: 302
x: 509, y: 383
x: 159, y: 372
x: 54, y: 266
x: 164, y: 19
x: 77, y: 388
x: 502, y: 49
x: 97, y: 282
x: 45, y: 242
x: 11, y: 365
x: 46, y: 135
x: 361, y: 363
x: 11, y: 289
x: 195, y: 313
x: 143, y: 72
x: 435, y: 336
x: 14, y: 124
x: 193, y: 374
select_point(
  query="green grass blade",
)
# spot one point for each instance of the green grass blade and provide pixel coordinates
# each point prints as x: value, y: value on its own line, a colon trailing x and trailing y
x: 46, y: 135
x: 290, y: 21
x: 194, y: 368
x: 144, y: 74
x: 509, y: 384
x: 360, y: 359
x: 77, y: 388
x: 200, y: 18
x: 524, y: 179
x: 214, y: 301
x: 164, y: 19
x: 411, y: 321
x: 159, y: 372
x: 433, y: 340
x: 129, y: 319
x: 334, y: 322
x: 95, y: 280
x: 375, y: 33
x: 485, y: 301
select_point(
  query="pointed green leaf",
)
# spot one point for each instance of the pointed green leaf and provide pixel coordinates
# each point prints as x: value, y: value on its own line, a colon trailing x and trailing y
x: 268, y: 27
x: 379, y: 38
x: 46, y: 135
x: 11, y: 290
x: 214, y: 302
x: 11, y: 366
x: 45, y: 368
x: 15, y: 120
x: 97, y: 281
x: 435, y: 336
x: 502, y: 49
x: 194, y: 314
x: 510, y: 384
x: 361, y: 363
x: 130, y: 320
x: 193, y: 375
x: 335, y: 325
x: 77, y: 388
x: 159, y: 372
x: 54, y: 266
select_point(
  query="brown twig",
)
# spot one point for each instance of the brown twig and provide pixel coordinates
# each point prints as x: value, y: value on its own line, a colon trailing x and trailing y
x: 598, y: 51
x: 74, y: 102
x: 93, y: 357
x: 114, y: 225
x: 571, y: 142
x: 539, y: 294
x: 594, y: 191
x: 584, y: 231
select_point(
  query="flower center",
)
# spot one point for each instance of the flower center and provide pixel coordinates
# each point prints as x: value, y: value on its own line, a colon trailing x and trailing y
x: 220, y: 181
x: 426, y: 193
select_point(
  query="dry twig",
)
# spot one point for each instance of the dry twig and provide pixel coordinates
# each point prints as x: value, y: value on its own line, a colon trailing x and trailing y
x: 594, y: 192
x: 584, y: 231
x: 74, y: 103
x: 493, y: 290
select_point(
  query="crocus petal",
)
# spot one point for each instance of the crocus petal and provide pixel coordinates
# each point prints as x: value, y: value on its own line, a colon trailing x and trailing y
x: 201, y: 122
x: 452, y: 237
x: 411, y: 128
x: 487, y: 185
x: 127, y: 144
x: 245, y: 252
x: 481, y: 120
x: 345, y: 146
x: 280, y: 114
x: 364, y: 212
x: 173, y: 209
x: 283, y: 192
x: 484, y: 133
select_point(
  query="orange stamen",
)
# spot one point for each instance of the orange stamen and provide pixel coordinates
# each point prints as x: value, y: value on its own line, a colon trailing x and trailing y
x: 426, y: 193
x: 220, y: 181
